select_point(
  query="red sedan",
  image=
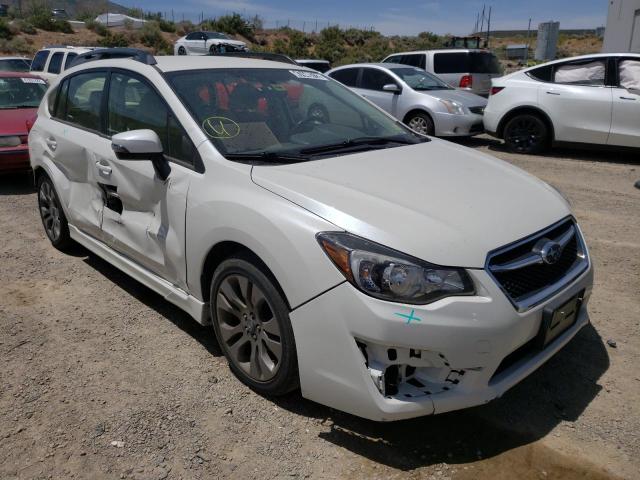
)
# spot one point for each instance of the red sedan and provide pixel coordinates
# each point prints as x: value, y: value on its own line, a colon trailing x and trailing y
x: 20, y: 95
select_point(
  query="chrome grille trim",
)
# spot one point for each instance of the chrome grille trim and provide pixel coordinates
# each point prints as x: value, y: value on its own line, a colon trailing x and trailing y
x: 534, y: 298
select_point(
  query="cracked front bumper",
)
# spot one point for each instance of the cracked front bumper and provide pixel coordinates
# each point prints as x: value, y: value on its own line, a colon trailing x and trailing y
x: 472, y: 335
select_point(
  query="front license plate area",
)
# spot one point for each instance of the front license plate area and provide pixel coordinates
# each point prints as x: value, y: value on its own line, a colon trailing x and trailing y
x: 554, y: 322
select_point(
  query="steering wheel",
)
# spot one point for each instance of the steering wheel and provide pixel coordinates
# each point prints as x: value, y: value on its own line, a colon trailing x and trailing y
x: 317, y: 114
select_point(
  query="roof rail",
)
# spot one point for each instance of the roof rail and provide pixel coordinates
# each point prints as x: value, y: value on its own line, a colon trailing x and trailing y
x: 69, y: 46
x: 108, y: 53
x: 274, y: 57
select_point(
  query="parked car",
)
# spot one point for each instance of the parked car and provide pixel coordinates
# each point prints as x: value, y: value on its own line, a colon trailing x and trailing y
x: 15, y: 64
x: 420, y: 100
x: 204, y: 43
x: 592, y: 99
x: 20, y: 95
x: 321, y: 66
x: 49, y: 62
x: 385, y: 273
x: 464, y: 68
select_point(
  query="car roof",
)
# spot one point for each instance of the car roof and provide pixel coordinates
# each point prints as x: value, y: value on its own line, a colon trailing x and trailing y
x: 311, y: 60
x: 171, y: 63
x: 442, y: 50
x: 69, y: 48
x: 582, y: 57
x: 386, y: 66
x: 17, y: 75
x: 14, y: 58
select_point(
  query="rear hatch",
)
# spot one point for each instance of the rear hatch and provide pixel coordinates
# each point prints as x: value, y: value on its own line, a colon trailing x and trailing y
x: 471, y: 70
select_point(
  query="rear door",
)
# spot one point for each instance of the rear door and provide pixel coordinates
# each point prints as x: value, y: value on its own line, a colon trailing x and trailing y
x: 144, y: 216
x: 578, y: 101
x: 370, y: 87
x: 70, y: 136
x: 625, y: 121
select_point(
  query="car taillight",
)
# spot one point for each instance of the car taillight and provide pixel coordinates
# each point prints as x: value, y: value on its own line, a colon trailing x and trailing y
x: 466, y: 81
x: 23, y: 139
x: 495, y: 90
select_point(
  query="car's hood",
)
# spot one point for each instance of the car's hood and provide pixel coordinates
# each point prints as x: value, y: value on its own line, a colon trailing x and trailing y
x: 467, y: 99
x: 14, y: 122
x: 437, y: 201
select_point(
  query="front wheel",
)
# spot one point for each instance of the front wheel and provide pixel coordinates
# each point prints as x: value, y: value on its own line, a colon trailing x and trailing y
x: 251, y: 322
x: 526, y: 133
x: 53, y: 218
x: 182, y: 51
x: 421, y: 123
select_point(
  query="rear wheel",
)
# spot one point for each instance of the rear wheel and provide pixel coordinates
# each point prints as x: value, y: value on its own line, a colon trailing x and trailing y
x: 421, y: 123
x: 52, y: 215
x: 251, y: 322
x: 526, y: 133
x: 182, y: 51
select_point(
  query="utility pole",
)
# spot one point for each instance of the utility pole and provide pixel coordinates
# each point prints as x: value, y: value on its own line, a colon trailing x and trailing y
x: 482, y: 21
x: 488, y: 27
x: 526, y: 52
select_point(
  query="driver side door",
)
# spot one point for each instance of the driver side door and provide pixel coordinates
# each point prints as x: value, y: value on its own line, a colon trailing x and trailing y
x: 144, y: 214
x: 370, y: 87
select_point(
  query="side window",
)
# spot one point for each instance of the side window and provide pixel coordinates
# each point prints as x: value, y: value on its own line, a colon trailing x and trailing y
x: 39, y: 61
x: 415, y: 60
x: 348, y: 76
x: 629, y: 73
x: 393, y: 59
x: 134, y: 105
x: 590, y: 73
x: 374, y: 79
x: 191, y: 36
x: 55, y: 65
x: 69, y: 59
x: 450, y: 62
x: 542, y: 73
x: 59, y: 107
x: 84, y: 99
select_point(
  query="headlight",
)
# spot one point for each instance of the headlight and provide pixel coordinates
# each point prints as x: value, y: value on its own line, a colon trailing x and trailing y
x: 453, y: 107
x: 390, y: 275
x: 12, y: 141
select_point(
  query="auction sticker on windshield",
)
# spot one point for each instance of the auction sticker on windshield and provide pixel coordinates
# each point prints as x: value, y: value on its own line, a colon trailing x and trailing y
x: 308, y: 75
x: 33, y: 80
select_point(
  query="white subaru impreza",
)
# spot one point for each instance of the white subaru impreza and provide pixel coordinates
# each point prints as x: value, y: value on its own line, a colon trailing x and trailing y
x: 384, y: 273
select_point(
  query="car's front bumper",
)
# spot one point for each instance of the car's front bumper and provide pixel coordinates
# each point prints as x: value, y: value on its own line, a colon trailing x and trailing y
x: 14, y: 160
x: 344, y: 337
x: 448, y: 125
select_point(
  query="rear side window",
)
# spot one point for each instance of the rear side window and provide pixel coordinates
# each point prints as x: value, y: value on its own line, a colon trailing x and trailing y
x: 415, y: 60
x: 84, y: 99
x: 373, y: 79
x: 393, y: 59
x: 590, y: 73
x: 39, y: 61
x: 348, y: 76
x: 55, y: 65
x: 134, y: 105
x: 544, y: 74
x: 466, y: 62
x: 69, y: 59
x: 629, y: 72
x: 58, y: 105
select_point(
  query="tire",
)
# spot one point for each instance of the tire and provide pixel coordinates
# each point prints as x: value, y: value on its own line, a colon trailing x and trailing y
x: 213, y: 50
x: 52, y: 215
x: 526, y: 133
x: 251, y: 322
x: 182, y: 51
x: 421, y: 123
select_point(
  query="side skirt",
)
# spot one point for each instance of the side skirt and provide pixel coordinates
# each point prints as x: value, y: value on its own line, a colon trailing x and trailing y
x: 194, y: 307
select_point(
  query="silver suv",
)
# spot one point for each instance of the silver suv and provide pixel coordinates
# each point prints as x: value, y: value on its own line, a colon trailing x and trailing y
x: 464, y: 68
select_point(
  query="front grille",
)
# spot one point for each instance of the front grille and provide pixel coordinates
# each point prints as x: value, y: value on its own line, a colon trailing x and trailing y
x: 522, y: 274
x: 477, y: 110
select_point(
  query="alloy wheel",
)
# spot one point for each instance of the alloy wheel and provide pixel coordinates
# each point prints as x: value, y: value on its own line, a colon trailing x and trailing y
x: 50, y: 211
x: 420, y: 125
x: 525, y: 135
x: 182, y: 51
x: 249, y: 330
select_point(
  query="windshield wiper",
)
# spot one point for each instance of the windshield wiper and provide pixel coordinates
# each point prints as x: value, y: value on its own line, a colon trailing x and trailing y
x: 269, y: 157
x: 357, y: 142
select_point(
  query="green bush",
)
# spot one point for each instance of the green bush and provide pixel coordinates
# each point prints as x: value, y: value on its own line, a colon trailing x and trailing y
x: 167, y: 26
x: 97, y: 27
x: 5, y: 30
x: 233, y: 24
x: 25, y: 27
x: 114, y: 40
x: 17, y: 45
x: 151, y: 36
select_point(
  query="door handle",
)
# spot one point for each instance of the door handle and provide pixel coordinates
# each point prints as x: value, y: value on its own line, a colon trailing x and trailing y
x: 104, y: 170
x: 628, y: 98
x: 52, y: 144
x: 553, y: 93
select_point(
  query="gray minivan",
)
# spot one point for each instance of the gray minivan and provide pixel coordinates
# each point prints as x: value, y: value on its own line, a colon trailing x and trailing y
x: 464, y: 68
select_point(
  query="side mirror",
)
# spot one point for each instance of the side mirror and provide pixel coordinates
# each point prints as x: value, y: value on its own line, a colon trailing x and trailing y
x: 141, y: 145
x: 393, y: 88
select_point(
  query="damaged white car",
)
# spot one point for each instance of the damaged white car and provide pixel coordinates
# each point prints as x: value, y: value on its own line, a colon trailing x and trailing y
x: 383, y: 273
x: 207, y: 43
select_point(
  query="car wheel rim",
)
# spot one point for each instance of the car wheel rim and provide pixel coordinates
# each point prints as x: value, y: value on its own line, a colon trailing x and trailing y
x: 182, y: 51
x: 420, y: 125
x: 525, y: 135
x: 249, y: 330
x: 50, y: 211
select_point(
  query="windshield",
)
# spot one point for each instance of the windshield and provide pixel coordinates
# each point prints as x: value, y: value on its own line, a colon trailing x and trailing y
x: 18, y: 92
x: 420, y: 80
x: 271, y: 112
x: 14, y: 65
x: 217, y: 35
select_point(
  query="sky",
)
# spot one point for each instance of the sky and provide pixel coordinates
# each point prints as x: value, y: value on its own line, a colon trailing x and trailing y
x: 393, y: 18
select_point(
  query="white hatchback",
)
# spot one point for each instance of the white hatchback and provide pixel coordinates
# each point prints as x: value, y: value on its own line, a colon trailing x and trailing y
x: 384, y: 273
x: 593, y: 99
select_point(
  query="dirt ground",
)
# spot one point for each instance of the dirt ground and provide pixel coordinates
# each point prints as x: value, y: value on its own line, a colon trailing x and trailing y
x: 90, y: 358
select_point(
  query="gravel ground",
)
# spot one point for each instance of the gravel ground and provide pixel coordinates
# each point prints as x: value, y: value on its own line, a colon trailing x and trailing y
x: 101, y: 378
